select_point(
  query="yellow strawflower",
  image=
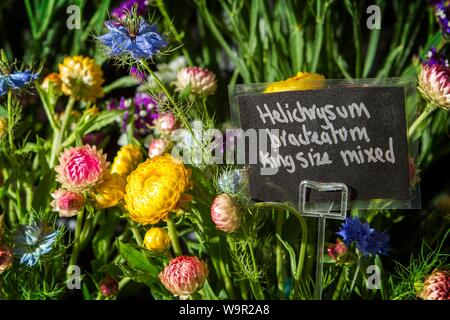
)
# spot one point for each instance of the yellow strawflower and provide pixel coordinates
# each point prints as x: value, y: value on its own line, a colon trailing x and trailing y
x: 155, y: 189
x: 301, y: 81
x: 81, y: 78
x: 110, y: 191
x: 157, y: 240
x: 126, y: 160
x: 3, y: 126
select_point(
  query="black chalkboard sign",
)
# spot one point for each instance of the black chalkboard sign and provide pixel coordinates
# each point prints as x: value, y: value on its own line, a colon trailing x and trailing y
x: 354, y: 135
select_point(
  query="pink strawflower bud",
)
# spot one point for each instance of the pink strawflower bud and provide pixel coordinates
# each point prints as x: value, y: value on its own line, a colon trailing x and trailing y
x: 336, y: 250
x: 166, y: 122
x: 67, y: 203
x: 225, y: 213
x: 184, y: 275
x: 80, y: 168
x: 108, y: 287
x: 434, y: 85
x: 436, y: 286
x: 157, y: 147
x: 201, y: 81
x: 6, y: 258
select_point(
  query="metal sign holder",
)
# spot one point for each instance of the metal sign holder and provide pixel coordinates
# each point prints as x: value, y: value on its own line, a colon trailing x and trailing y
x: 321, y: 213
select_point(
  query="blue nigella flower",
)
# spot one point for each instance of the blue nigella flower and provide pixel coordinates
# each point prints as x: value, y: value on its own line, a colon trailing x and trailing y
x: 16, y: 80
x: 32, y: 242
x: 143, y: 43
x: 366, y: 239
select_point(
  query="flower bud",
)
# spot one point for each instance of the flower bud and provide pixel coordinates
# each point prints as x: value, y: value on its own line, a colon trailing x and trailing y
x: 436, y: 286
x: 434, y: 85
x: 157, y: 240
x: 126, y: 160
x: 108, y: 287
x: 6, y: 258
x: 67, y: 203
x: 110, y: 191
x: 157, y: 147
x: 166, y: 122
x: 81, y: 167
x: 201, y: 81
x: 225, y: 213
x: 184, y: 275
x: 340, y: 253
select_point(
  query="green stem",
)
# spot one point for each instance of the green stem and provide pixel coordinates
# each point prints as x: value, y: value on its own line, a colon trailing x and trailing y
x: 178, y: 36
x: 166, y: 92
x: 254, y: 284
x: 224, y: 44
x: 428, y: 110
x: 339, y: 286
x: 137, y: 235
x: 243, y: 289
x: 10, y: 122
x: 318, y: 35
x: 173, y: 235
x: 76, y: 245
x: 304, y: 241
x: 355, y: 277
x: 226, y: 279
x: 56, y: 148
x: 123, y: 282
x: 279, y: 254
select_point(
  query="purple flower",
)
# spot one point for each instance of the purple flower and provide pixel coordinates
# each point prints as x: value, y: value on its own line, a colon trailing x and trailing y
x: 366, y: 239
x: 138, y: 74
x: 120, y: 12
x: 16, y: 80
x: 435, y: 57
x: 442, y: 12
x: 139, y: 41
x: 145, y: 112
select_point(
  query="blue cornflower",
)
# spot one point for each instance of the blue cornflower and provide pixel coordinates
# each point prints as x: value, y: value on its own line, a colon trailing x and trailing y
x: 366, y: 239
x: 139, y: 39
x: 377, y: 243
x: 33, y: 241
x: 16, y: 80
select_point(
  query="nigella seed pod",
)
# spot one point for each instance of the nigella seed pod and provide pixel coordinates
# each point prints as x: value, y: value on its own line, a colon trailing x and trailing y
x: 67, y: 203
x: 157, y: 147
x: 434, y: 85
x: 6, y: 258
x: 436, y: 286
x: 108, y: 287
x: 80, y: 168
x: 157, y: 240
x: 225, y: 213
x: 184, y: 276
x: 201, y: 81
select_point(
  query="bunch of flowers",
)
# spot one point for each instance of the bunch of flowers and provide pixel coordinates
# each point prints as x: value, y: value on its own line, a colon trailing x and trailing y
x: 138, y: 209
